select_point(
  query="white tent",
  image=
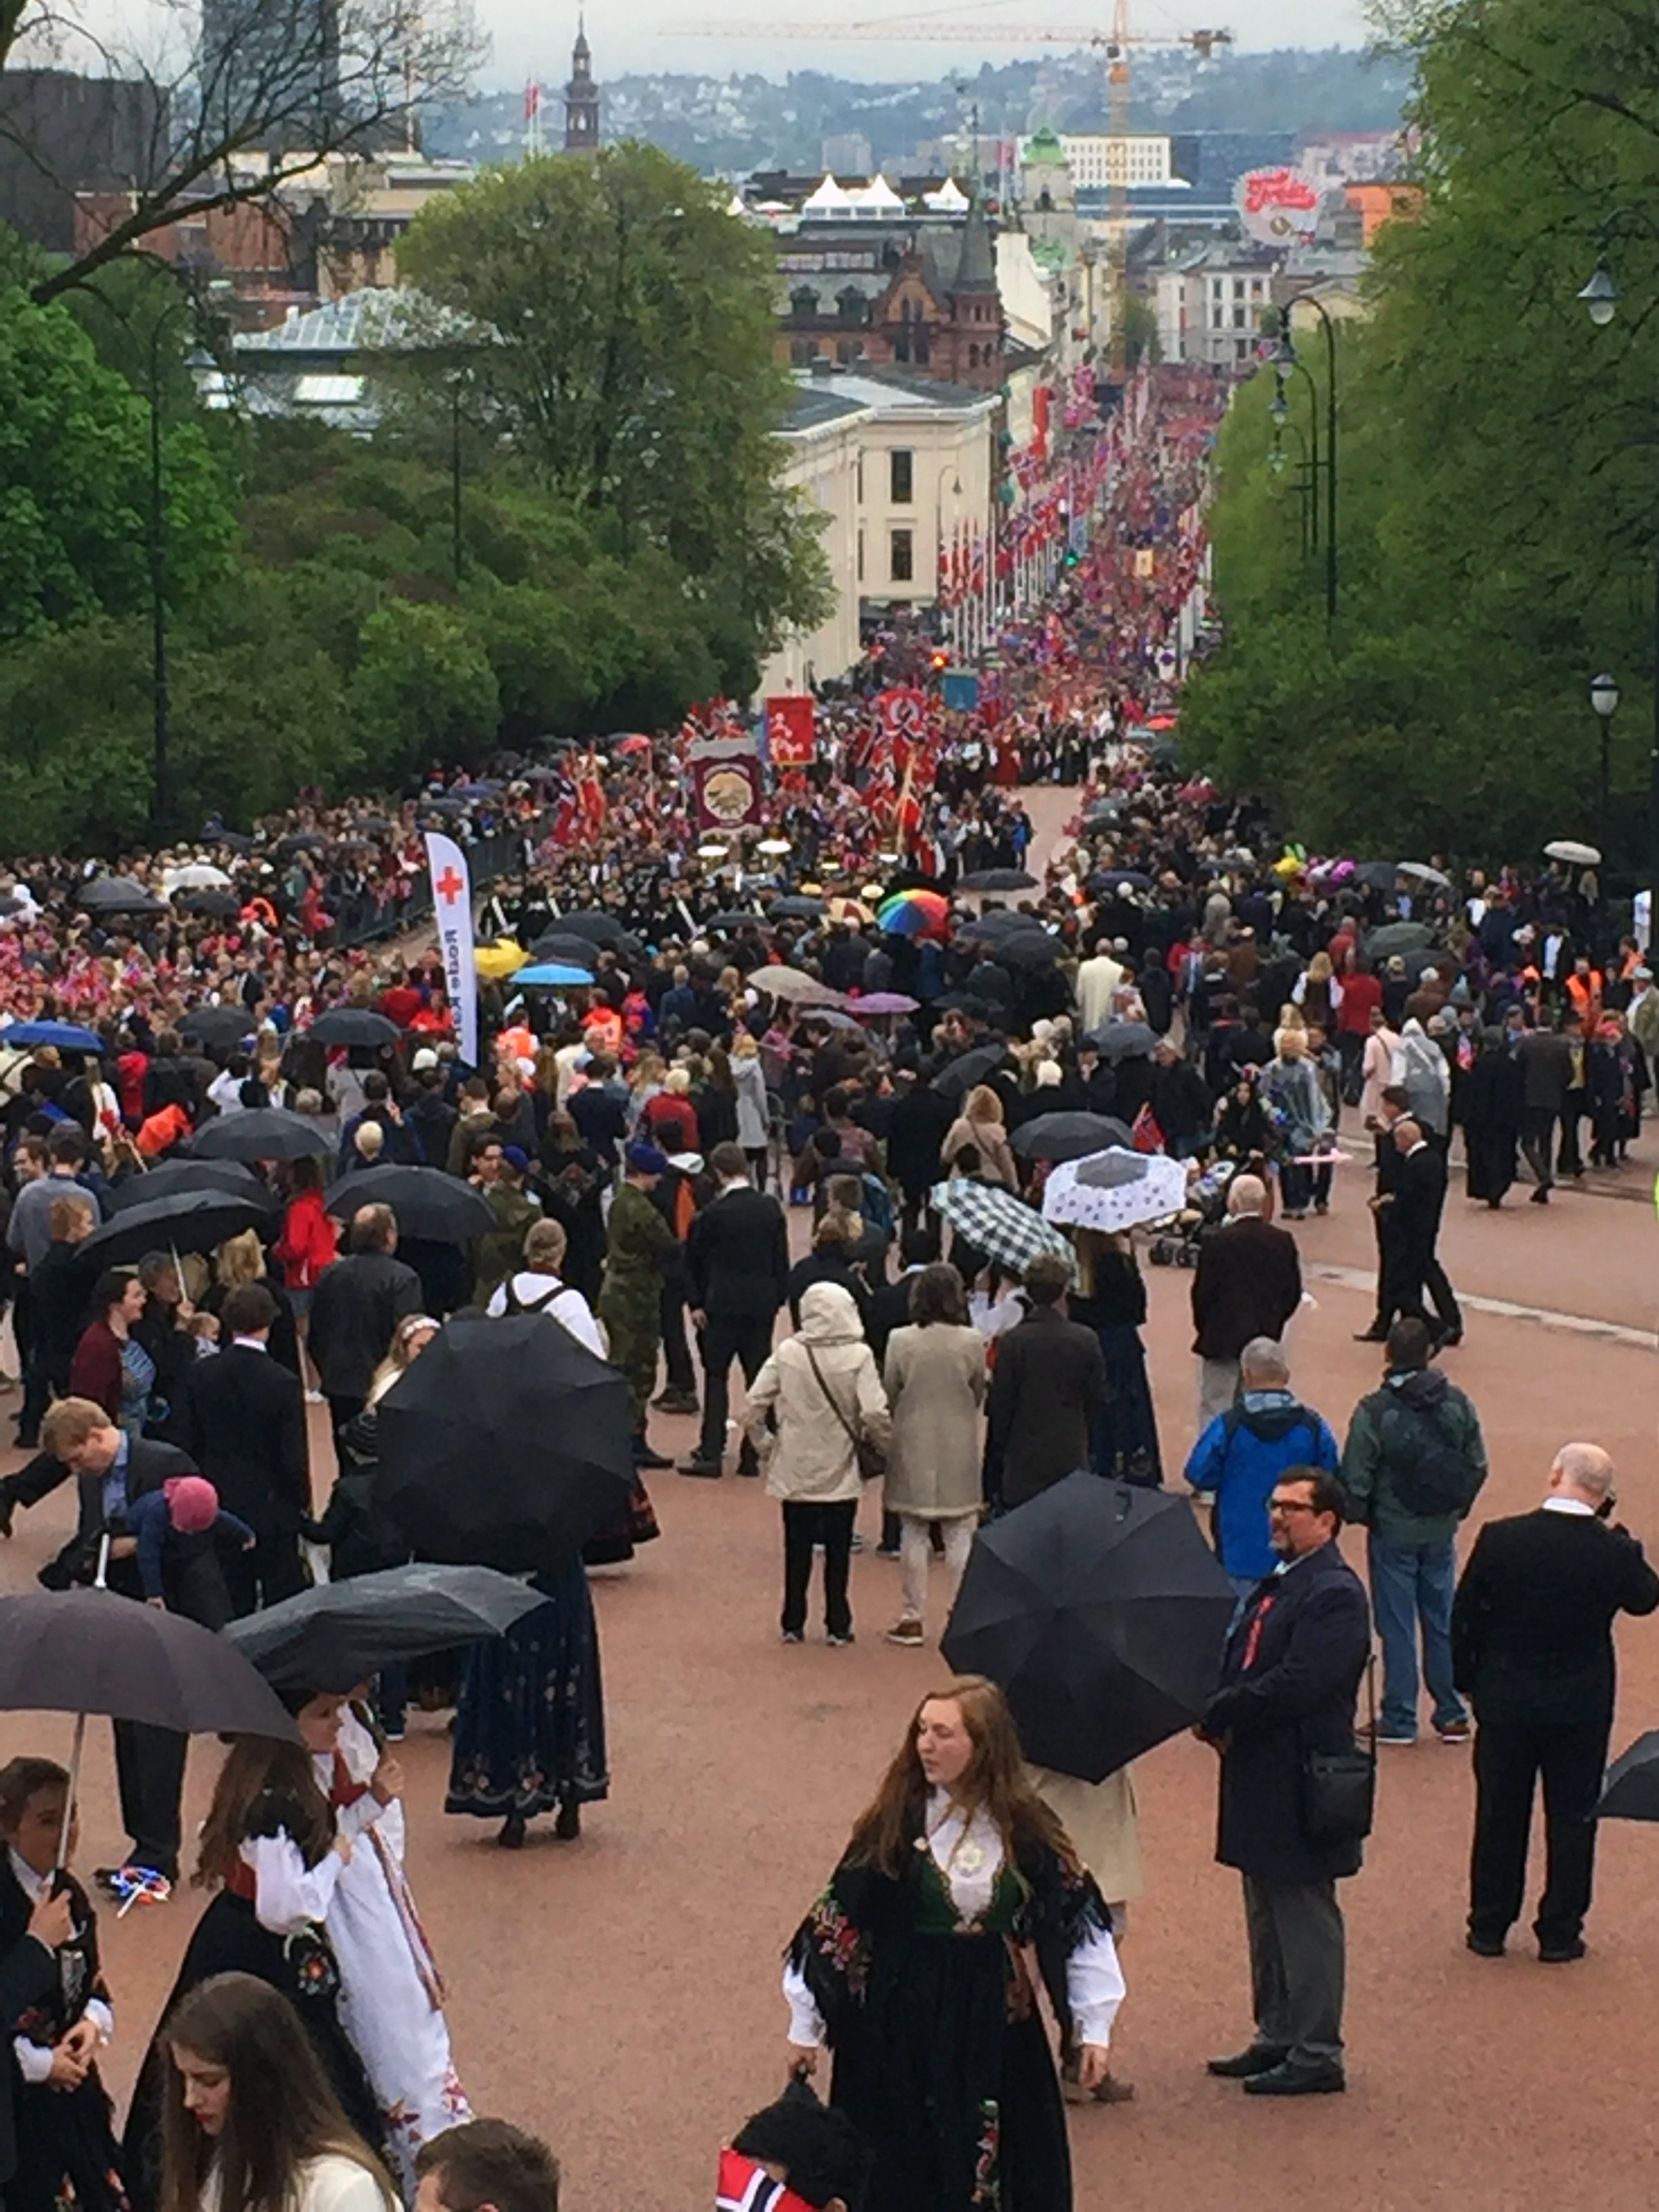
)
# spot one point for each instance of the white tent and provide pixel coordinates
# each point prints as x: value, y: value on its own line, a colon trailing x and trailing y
x: 829, y: 199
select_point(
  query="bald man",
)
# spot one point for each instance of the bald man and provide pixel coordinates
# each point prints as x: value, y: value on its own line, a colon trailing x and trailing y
x: 1531, y: 1649
x: 1247, y: 1283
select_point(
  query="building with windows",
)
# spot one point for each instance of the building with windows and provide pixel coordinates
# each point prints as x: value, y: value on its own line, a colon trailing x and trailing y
x: 1096, y: 159
x: 1210, y: 303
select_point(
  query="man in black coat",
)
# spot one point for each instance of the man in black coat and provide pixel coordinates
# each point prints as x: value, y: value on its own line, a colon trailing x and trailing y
x: 1247, y: 1283
x: 29, y: 1975
x: 247, y: 1422
x: 111, y: 1472
x: 1390, y: 1164
x: 1045, y: 1394
x: 1531, y: 1647
x: 1411, y: 1231
x: 916, y: 1131
x: 356, y: 1308
x: 736, y: 1265
x: 1289, y: 1678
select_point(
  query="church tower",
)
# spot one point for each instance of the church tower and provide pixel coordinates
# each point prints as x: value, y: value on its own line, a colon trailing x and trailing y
x: 581, y: 99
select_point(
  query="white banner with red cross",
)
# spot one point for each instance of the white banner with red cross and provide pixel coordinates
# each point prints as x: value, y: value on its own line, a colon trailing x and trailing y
x: 451, y: 908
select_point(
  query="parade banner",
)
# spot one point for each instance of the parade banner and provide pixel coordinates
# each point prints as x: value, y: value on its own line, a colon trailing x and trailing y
x: 726, y: 780
x: 452, y: 906
x: 903, y: 710
x: 791, y: 735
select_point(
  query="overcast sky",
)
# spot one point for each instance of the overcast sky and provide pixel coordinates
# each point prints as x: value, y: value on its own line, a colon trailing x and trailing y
x: 530, y: 38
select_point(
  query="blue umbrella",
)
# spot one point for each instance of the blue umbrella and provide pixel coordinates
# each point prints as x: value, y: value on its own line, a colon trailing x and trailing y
x: 64, y: 1035
x: 550, y: 975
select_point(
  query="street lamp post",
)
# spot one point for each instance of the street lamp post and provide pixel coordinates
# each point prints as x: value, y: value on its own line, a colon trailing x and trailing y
x: 1307, y: 483
x: 1287, y: 358
x: 1600, y: 302
x: 1286, y: 362
x: 1604, y: 705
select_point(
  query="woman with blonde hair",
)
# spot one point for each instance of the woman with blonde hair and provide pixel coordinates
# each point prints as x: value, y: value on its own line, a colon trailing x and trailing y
x: 981, y: 1124
x: 913, y: 1967
x: 935, y: 1376
x: 754, y: 1108
x: 241, y: 1260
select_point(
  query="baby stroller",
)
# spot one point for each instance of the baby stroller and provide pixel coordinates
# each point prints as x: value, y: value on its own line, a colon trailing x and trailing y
x: 1176, y: 1240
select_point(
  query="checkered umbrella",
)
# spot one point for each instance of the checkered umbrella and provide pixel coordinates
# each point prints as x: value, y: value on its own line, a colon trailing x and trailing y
x: 1158, y: 1188
x: 1003, y: 1226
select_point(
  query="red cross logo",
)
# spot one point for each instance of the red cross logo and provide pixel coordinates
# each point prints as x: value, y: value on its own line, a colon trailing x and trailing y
x: 450, y: 886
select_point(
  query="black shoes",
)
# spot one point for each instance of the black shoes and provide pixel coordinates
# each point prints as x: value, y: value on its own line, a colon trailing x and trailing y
x: 1243, y: 2065
x: 512, y: 1834
x: 1484, y: 1947
x: 644, y: 1456
x: 1370, y: 1336
x: 709, y: 1470
x: 1325, y: 2078
x: 568, y: 1825
x: 1561, y: 1954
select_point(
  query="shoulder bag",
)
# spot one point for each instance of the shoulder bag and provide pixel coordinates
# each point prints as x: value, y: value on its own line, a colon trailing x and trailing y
x: 871, y: 1458
x: 1339, y: 1788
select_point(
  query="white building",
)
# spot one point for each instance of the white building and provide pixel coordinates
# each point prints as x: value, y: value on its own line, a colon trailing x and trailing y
x: 1097, y: 159
x: 901, y: 469
x: 1210, y: 308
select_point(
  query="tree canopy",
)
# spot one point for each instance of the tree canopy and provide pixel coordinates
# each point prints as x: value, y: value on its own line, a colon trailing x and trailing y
x: 1500, y: 472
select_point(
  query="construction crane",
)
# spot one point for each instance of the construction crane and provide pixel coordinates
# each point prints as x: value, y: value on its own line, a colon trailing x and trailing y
x: 1114, y: 45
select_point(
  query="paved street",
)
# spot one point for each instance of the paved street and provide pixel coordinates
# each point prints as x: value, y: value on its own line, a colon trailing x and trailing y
x: 620, y: 1994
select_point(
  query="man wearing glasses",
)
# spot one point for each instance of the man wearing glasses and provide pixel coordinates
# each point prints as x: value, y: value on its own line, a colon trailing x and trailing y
x: 1290, y: 1675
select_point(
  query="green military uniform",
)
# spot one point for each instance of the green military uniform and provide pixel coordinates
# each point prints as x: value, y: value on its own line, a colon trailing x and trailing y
x: 500, y: 1251
x: 640, y: 1245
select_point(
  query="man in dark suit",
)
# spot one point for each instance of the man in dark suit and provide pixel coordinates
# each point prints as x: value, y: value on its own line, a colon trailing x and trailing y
x: 248, y: 1434
x: 1411, y: 1231
x: 737, y: 1264
x: 111, y: 1471
x: 1045, y: 1394
x: 1289, y: 1678
x: 29, y: 1975
x: 1390, y: 1165
x: 1247, y: 1283
x: 354, y: 1309
x: 1531, y: 1647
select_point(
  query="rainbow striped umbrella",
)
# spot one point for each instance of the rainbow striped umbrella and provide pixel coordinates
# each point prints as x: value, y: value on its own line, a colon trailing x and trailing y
x: 914, y: 914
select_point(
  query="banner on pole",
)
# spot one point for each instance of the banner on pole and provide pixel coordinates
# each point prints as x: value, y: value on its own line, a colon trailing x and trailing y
x: 726, y: 780
x: 452, y: 906
x: 791, y: 735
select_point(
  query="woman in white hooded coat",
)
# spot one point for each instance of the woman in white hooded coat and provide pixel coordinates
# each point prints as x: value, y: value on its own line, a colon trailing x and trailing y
x: 822, y: 1390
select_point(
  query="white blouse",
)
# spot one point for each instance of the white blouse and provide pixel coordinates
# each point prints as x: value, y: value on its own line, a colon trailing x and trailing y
x: 329, y: 2183
x: 969, y: 1856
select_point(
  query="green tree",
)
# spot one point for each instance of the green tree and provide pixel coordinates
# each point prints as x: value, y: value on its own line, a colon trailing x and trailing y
x: 423, y: 686
x: 1499, y: 480
x: 630, y: 369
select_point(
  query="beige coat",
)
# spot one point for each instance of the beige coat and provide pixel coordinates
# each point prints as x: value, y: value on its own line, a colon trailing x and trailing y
x: 935, y: 1379
x: 996, y: 1158
x: 811, y: 1461
x: 1100, y: 1818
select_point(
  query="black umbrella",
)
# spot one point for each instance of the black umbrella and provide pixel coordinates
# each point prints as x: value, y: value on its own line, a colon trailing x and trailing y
x: 427, y: 1203
x: 218, y: 1026
x: 174, y: 1178
x: 595, y: 924
x: 92, y: 1651
x: 1123, y: 1040
x: 119, y: 895
x: 734, y: 920
x: 263, y: 1132
x: 338, y: 1635
x: 300, y: 840
x: 1068, y: 1136
x: 235, y: 841
x: 219, y: 905
x: 505, y: 1444
x: 1398, y: 936
x: 796, y: 907
x: 1100, y: 1612
x: 566, y: 947
x: 998, y: 879
x: 1120, y: 879
x: 1026, y: 948
x: 1000, y: 922
x: 189, y: 1221
x: 1376, y: 875
x: 352, y: 1025
x: 956, y: 1080
x: 1630, y: 1791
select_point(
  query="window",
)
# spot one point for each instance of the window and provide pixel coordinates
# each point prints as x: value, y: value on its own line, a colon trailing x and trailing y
x: 861, y: 556
x: 804, y: 303
x: 973, y: 356
x: 901, y: 563
x: 849, y: 305
x: 1238, y: 288
x: 1238, y: 319
x: 858, y: 479
x: 901, y: 478
x: 848, y: 350
x: 801, y: 351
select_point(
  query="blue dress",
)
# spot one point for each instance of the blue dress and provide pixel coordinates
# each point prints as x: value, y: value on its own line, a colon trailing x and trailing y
x: 530, y: 1723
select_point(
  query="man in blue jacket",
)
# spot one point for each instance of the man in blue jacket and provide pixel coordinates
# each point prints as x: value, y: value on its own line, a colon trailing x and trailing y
x: 1242, y: 1452
x: 1290, y: 1676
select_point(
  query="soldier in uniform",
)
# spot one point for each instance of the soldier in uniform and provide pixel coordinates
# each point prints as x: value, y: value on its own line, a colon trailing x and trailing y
x: 640, y: 1245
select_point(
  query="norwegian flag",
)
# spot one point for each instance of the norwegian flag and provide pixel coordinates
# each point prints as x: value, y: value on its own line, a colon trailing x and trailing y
x: 903, y: 710
x: 744, y: 2185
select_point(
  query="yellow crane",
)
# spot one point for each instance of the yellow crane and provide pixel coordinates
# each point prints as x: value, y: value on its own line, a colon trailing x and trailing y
x: 1115, y: 43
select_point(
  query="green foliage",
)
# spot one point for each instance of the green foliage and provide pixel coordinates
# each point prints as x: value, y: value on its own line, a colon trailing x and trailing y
x: 629, y: 367
x: 422, y: 687
x: 1499, y: 474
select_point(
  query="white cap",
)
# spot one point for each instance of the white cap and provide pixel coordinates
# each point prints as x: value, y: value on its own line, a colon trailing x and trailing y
x: 425, y: 1058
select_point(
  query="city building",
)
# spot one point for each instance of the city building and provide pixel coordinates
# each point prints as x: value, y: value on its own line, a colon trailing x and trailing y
x: 1353, y: 157
x: 847, y: 154
x: 1210, y: 303
x: 581, y: 99
x: 62, y: 135
x: 1054, y: 272
x: 278, y: 60
x: 1097, y: 159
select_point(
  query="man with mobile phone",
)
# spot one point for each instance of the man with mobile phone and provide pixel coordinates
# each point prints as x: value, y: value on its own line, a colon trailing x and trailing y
x: 1531, y: 1647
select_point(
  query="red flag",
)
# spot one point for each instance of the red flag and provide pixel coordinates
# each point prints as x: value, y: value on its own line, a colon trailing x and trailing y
x: 791, y: 735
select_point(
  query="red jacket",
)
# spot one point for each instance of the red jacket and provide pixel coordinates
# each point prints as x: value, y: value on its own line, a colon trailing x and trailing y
x: 307, y: 1243
x: 95, y: 1370
x: 1360, y: 995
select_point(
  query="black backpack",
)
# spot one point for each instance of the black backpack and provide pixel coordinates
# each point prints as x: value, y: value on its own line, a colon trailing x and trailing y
x: 1429, y: 1473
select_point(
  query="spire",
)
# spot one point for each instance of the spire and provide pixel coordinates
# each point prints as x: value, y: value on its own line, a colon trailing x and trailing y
x: 581, y: 98
x: 976, y: 269
x: 582, y: 54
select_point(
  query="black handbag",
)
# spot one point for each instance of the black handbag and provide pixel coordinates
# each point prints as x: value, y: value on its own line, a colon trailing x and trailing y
x: 871, y: 1458
x: 1339, y: 1788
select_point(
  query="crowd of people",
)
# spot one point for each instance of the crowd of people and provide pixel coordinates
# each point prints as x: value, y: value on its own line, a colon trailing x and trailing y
x: 248, y: 1168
